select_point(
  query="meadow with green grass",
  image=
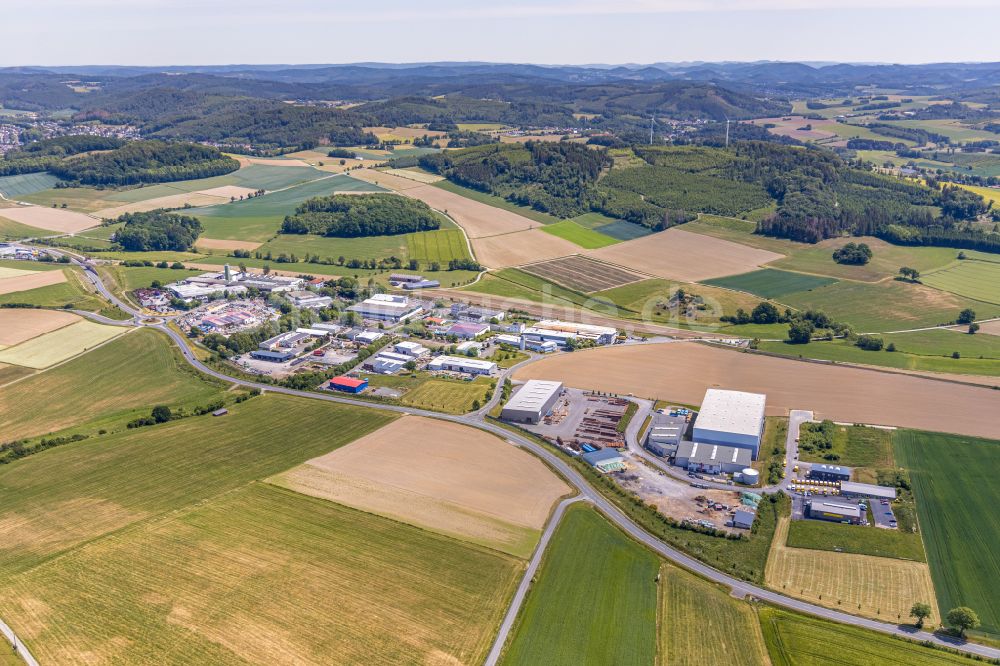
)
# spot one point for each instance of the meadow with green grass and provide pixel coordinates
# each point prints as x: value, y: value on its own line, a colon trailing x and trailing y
x: 970, y: 278
x: 104, y: 389
x: 514, y: 283
x: 75, y: 293
x: 801, y: 640
x: 701, y: 623
x: 770, y: 283
x: 885, y: 262
x: 588, y: 239
x: 609, y: 226
x: 856, y: 446
x: 594, y: 600
x: 954, y: 482
x: 870, y: 540
x: 330, y: 248
x: 437, y: 246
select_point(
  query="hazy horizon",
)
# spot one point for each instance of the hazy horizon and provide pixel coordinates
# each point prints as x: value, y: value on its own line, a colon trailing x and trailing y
x: 257, y: 32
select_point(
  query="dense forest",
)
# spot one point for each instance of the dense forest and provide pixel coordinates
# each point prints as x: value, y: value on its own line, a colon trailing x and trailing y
x: 351, y: 216
x: 157, y: 230
x: 145, y: 162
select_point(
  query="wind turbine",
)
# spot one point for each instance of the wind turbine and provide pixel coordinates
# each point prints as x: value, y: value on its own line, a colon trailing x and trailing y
x: 727, y: 130
x: 652, y: 120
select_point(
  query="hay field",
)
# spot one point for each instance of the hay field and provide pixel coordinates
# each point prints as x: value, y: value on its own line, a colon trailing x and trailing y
x: 383, y: 179
x: 265, y: 576
x: 440, y: 476
x: 523, y: 247
x: 220, y: 244
x: 13, y: 280
x: 106, y: 387
x: 681, y: 255
x: 973, y: 279
x: 419, y: 176
x: 881, y: 588
x: 20, y: 325
x: 275, y: 162
x: 700, y: 623
x: 683, y: 371
x: 210, y: 197
x: 61, y: 344
x: 53, y: 219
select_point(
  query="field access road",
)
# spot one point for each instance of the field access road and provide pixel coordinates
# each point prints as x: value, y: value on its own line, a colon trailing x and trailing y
x: 796, y: 418
x: 587, y: 492
x: 522, y: 590
x: 19, y: 647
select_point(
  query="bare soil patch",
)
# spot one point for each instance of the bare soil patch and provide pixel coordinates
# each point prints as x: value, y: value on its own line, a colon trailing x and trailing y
x: 794, y: 128
x: 218, y: 244
x: 31, y: 280
x: 581, y: 273
x: 18, y: 325
x: 990, y: 327
x: 681, y: 255
x: 441, y: 476
x: 419, y: 176
x: 683, y: 372
x: 53, y: 219
x: 519, y: 248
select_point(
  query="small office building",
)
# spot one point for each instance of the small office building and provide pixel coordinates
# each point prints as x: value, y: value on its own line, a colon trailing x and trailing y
x: 348, y: 384
x: 838, y: 512
x: 824, y: 472
x: 711, y: 458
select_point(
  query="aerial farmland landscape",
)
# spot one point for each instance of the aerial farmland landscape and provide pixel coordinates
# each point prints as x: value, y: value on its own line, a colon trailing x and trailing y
x: 551, y: 333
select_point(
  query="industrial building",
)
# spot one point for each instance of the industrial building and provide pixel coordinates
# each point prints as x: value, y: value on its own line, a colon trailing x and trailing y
x: 330, y: 328
x: 561, y: 332
x: 470, y: 366
x: 412, y: 349
x: 286, y: 340
x: 711, y: 458
x: 348, y: 384
x: 743, y: 518
x: 475, y: 314
x: 423, y: 284
x: 386, y: 366
x: 540, y: 346
x: 852, y: 489
x: 387, y: 307
x: 469, y: 346
x: 273, y: 356
x: 400, y: 279
x: 208, y: 285
x: 823, y: 472
x: 834, y: 511
x: 532, y: 401
x: 467, y: 330
x: 367, y: 337
x: 309, y: 300
x: 605, y: 460
x: 731, y: 418
x: 665, y: 433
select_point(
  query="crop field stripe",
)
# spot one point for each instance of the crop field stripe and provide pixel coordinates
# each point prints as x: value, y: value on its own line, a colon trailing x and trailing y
x: 594, y: 602
x: 954, y: 481
x: 581, y: 274
x: 970, y: 278
x: 771, y: 283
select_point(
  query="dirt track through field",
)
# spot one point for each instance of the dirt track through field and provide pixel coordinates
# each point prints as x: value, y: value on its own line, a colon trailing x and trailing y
x: 20, y: 324
x: 442, y: 476
x: 681, y: 255
x: 31, y: 280
x: 520, y: 248
x: 52, y: 219
x: 683, y: 371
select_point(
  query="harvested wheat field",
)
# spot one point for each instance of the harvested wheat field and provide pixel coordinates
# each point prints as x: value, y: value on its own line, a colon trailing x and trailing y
x: 384, y: 179
x: 14, y: 280
x: 419, y: 176
x: 683, y: 371
x: 22, y: 324
x: 876, y: 587
x: 276, y: 162
x: 218, y: 244
x: 519, y: 248
x: 167, y: 202
x: 403, y: 132
x: 440, y: 476
x: 685, y: 256
x: 61, y: 344
x: 990, y: 327
x: 52, y: 219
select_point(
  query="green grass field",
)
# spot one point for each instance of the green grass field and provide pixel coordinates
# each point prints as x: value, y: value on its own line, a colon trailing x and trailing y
x: 497, y: 202
x: 14, y: 187
x: 588, y: 239
x: 886, y: 260
x: 103, y: 389
x: 770, y: 283
x: 441, y: 246
x: 801, y: 640
x: 925, y: 351
x: 366, y: 247
x: 700, y: 623
x: 857, y: 446
x: 126, y: 278
x: 609, y: 226
x: 642, y: 299
x: 887, y: 306
x: 513, y: 283
x: 594, y: 602
x: 871, y: 540
x: 452, y: 397
x: 954, y: 481
x: 251, y: 576
x: 973, y: 279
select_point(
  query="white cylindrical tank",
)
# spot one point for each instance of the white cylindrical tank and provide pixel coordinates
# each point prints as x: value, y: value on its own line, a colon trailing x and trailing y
x: 750, y: 476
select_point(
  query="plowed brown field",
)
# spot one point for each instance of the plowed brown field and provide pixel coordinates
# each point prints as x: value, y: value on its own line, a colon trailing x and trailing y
x: 683, y: 371
x: 520, y: 248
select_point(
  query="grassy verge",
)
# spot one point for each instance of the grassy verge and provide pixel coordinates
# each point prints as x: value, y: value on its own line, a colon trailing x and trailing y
x: 871, y: 540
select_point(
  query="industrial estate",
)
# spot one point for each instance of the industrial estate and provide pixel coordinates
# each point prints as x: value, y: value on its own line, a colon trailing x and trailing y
x: 497, y: 364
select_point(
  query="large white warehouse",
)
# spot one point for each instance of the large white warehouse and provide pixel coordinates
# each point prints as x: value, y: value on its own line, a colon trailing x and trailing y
x: 532, y: 401
x: 731, y: 418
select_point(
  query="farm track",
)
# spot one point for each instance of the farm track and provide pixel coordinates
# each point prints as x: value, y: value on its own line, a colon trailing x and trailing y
x: 739, y: 588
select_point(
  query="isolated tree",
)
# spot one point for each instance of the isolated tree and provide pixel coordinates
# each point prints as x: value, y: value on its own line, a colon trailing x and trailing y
x: 973, y: 328
x: 966, y: 316
x: 161, y: 414
x: 909, y: 273
x: 921, y: 612
x: 962, y: 618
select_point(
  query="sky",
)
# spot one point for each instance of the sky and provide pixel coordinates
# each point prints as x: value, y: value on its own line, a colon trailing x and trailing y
x: 212, y: 32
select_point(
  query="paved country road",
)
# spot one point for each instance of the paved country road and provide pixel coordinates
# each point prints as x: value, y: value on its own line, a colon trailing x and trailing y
x: 739, y: 588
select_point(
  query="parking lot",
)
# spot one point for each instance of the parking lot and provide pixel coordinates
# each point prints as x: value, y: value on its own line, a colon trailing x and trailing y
x: 883, y: 515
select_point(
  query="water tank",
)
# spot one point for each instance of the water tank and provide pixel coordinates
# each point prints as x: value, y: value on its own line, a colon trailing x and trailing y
x: 750, y: 476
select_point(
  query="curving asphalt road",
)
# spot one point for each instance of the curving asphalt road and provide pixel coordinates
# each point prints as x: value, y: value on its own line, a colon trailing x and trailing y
x: 740, y: 588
